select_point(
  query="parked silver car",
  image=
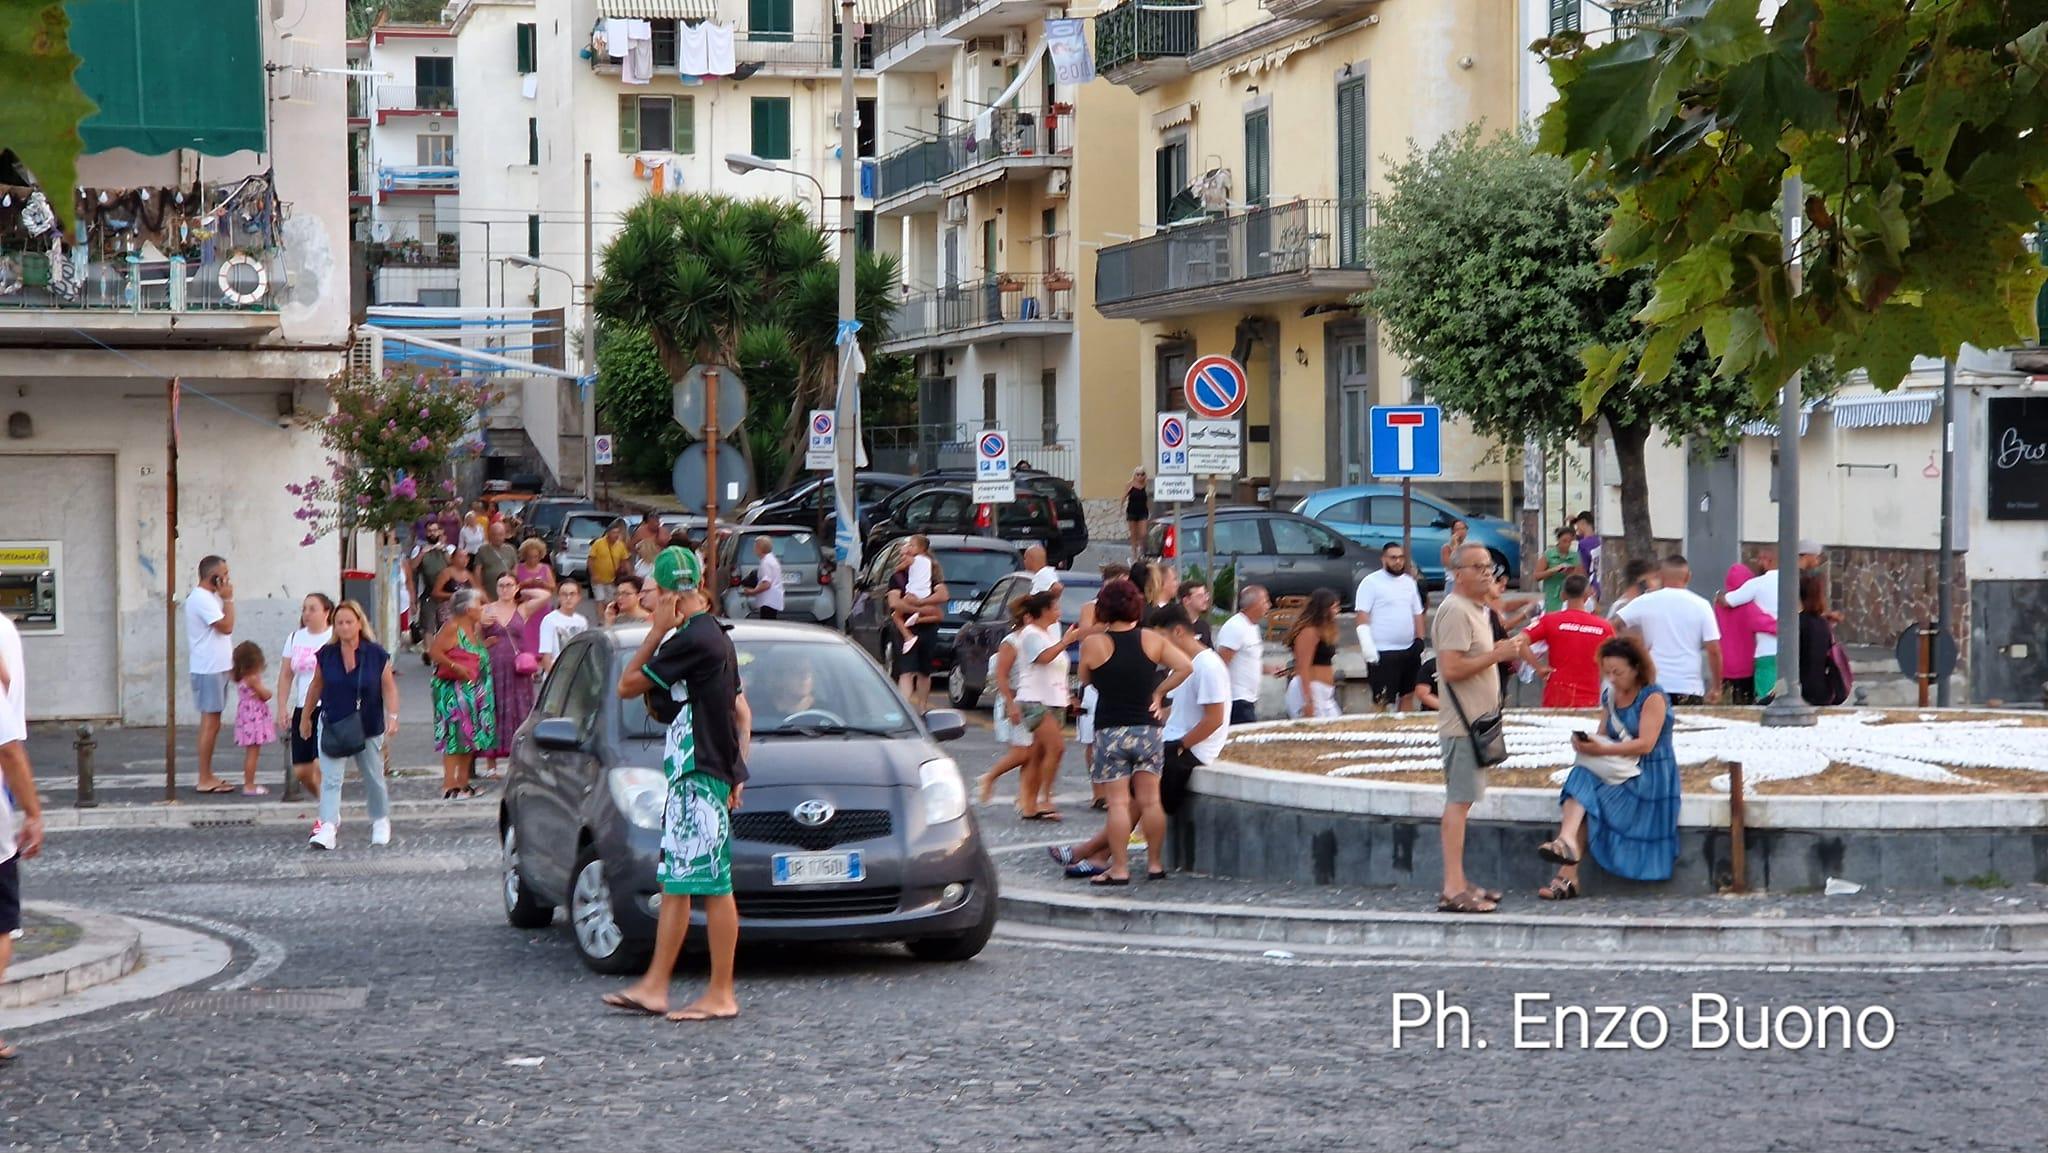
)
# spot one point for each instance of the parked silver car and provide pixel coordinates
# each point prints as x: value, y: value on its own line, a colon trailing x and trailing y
x: 581, y: 529
x: 806, y: 574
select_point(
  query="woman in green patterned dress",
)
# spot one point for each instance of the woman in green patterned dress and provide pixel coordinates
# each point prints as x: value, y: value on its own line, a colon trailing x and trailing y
x: 465, y: 711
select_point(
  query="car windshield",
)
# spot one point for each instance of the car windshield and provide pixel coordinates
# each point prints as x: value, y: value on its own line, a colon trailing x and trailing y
x: 583, y: 526
x: 1026, y: 515
x: 969, y: 572
x: 791, y: 548
x: 803, y: 687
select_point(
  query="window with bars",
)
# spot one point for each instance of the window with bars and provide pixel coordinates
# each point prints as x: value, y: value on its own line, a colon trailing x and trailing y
x: 771, y: 127
x: 657, y: 124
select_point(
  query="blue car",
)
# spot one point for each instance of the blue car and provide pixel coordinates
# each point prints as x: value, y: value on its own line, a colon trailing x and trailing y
x: 1371, y: 515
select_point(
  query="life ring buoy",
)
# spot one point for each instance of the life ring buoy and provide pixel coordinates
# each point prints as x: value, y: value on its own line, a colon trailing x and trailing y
x: 228, y: 291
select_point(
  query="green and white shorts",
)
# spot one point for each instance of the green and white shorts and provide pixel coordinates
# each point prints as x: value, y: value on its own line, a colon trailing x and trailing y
x: 696, y: 821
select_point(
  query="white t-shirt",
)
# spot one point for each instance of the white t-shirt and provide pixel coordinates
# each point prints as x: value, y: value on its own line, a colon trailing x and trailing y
x: 300, y: 650
x: 472, y: 538
x: 1247, y: 645
x: 13, y: 720
x: 1044, y: 684
x: 1677, y: 624
x: 1391, y: 604
x: 770, y: 574
x: 557, y: 628
x: 920, y: 577
x: 212, y: 652
x: 1764, y: 591
x: 1208, y: 684
x: 1044, y: 579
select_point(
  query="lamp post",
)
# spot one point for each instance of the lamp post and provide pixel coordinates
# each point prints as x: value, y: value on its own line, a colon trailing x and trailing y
x: 741, y: 163
x: 590, y: 360
x: 1788, y: 708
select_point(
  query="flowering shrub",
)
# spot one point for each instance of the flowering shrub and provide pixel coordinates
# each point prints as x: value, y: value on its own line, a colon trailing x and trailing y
x: 389, y: 443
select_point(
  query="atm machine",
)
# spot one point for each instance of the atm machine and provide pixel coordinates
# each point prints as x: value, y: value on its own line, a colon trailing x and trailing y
x: 30, y: 573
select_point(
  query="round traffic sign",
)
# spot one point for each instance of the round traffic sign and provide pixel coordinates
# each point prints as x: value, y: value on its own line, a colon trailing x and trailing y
x: 1215, y: 387
x: 1907, y: 651
x: 734, y: 482
x: 821, y: 424
x: 1172, y: 432
x: 994, y: 445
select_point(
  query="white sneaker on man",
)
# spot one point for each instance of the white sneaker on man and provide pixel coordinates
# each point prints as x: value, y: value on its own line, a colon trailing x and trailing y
x: 323, y: 836
x: 380, y: 831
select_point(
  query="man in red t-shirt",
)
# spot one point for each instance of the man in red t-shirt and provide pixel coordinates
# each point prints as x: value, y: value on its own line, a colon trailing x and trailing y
x: 1574, y: 636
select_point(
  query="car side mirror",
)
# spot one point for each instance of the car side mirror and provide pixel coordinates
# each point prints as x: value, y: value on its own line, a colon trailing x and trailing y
x: 946, y: 724
x: 558, y: 734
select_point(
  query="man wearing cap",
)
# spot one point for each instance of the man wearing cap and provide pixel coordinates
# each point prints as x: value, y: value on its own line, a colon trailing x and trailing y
x: 687, y: 665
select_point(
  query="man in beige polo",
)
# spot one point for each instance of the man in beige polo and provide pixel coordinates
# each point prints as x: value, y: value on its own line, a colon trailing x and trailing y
x: 1466, y: 660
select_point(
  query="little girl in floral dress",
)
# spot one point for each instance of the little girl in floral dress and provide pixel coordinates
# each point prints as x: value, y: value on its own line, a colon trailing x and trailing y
x: 254, y: 726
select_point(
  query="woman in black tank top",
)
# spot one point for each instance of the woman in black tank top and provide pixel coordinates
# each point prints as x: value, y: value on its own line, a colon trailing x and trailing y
x: 1312, y: 692
x: 1122, y: 662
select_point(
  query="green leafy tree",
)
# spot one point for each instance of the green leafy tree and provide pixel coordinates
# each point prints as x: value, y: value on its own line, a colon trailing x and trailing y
x: 41, y: 104
x: 1487, y: 281
x: 637, y: 403
x: 713, y: 280
x: 1913, y: 126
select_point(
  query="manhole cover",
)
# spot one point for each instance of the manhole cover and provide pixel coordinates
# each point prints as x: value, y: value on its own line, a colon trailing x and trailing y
x: 266, y: 1001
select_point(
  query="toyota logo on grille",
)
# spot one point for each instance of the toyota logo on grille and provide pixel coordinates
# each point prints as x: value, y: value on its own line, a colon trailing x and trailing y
x: 812, y: 813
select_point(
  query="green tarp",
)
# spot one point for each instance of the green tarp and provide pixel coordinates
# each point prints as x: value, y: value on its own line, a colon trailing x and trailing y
x: 170, y: 74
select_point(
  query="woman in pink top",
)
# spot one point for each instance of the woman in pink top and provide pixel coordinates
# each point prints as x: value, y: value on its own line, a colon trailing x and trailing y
x: 1739, y: 629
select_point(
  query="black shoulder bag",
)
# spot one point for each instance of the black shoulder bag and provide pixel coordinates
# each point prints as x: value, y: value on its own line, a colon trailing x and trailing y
x: 1486, y: 731
x: 344, y: 738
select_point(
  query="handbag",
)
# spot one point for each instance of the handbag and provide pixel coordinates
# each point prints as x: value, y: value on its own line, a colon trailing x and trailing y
x: 1487, y: 732
x: 1611, y: 768
x: 467, y: 662
x: 526, y: 664
x: 345, y: 738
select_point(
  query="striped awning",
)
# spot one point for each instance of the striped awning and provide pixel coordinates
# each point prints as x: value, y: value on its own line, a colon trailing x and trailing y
x: 658, y: 9
x: 1895, y: 411
x: 1769, y: 428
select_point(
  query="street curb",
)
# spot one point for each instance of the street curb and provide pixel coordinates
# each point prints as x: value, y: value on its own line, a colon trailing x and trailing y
x: 1975, y: 939
x: 108, y: 949
x: 182, y: 816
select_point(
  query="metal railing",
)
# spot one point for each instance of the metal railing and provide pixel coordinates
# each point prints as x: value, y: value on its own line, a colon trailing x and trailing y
x: 1000, y: 299
x: 218, y: 251
x: 1130, y: 34
x: 416, y: 98
x: 1300, y: 236
x: 799, y: 52
x: 914, y: 448
x: 418, y: 178
x: 902, y: 22
x: 1013, y: 133
x: 442, y: 252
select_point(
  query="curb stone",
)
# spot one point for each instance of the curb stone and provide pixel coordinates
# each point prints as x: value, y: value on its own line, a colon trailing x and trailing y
x: 183, y: 816
x: 108, y: 949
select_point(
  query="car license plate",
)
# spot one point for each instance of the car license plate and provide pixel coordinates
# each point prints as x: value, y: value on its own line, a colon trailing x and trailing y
x: 1070, y: 524
x: 818, y: 868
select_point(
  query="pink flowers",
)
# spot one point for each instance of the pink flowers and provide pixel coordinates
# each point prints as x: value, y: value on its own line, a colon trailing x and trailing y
x: 306, y: 541
x: 404, y: 488
x: 422, y: 444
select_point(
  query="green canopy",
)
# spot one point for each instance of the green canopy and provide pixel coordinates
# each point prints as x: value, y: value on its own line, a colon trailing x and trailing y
x: 170, y: 74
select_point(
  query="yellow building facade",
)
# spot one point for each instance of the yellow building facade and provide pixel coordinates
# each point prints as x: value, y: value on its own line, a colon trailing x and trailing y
x: 1262, y: 131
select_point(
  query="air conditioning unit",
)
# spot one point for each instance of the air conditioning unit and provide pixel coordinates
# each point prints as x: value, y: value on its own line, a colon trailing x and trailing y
x: 989, y: 46
x: 1059, y: 182
x: 956, y: 210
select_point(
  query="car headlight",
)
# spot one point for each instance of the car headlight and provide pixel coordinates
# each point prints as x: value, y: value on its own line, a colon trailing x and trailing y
x: 640, y: 794
x: 943, y: 789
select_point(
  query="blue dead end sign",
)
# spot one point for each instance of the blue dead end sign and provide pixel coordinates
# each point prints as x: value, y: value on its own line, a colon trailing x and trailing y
x: 1215, y: 387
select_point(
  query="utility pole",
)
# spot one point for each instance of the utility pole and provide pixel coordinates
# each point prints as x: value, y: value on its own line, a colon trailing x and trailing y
x: 1787, y: 707
x: 1944, y: 596
x: 847, y: 407
x: 589, y: 374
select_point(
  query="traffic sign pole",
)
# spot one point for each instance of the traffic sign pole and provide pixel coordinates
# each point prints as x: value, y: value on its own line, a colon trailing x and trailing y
x: 711, y: 484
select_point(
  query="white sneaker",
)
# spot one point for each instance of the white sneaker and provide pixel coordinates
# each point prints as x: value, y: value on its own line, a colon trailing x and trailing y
x: 380, y: 832
x: 323, y: 836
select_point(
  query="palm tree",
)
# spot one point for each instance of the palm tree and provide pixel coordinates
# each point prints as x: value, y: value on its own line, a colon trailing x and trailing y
x: 715, y: 280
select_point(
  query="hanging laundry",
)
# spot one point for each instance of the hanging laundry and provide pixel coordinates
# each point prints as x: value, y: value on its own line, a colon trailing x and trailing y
x: 693, y: 49
x: 529, y: 85
x: 618, y: 36
x: 984, y: 132
x: 719, y: 49
x: 638, y: 66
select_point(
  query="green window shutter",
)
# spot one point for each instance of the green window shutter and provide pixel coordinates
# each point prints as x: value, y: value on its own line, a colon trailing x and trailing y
x: 770, y: 19
x: 685, y: 129
x: 1258, y: 158
x: 1353, y: 157
x: 533, y: 236
x: 532, y: 140
x: 629, y: 123
x: 771, y: 127
x: 526, y: 48
x: 1564, y: 16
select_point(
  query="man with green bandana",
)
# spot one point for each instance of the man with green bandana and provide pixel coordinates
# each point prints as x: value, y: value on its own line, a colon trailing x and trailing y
x: 687, y: 665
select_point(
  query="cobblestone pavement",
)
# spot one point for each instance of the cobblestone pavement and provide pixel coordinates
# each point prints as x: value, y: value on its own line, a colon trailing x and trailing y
x: 1036, y: 1045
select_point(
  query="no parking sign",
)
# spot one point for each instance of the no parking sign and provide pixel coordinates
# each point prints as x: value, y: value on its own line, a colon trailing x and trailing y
x: 993, y: 483
x: 824, y: 440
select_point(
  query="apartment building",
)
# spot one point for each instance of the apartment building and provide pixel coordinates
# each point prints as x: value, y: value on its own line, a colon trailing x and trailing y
x: 404, y: 182
x: 998, y: 185
x: 1261, y: 128
x: 199, y: 300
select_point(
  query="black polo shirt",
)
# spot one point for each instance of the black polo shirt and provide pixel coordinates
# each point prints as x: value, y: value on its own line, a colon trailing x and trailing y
x: 698, y: 664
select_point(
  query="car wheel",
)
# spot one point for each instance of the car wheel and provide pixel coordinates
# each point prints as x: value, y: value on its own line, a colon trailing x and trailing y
x: 959, y: 693
x: 964, y: 947
x: 522, y: 908
x: 600, y: 941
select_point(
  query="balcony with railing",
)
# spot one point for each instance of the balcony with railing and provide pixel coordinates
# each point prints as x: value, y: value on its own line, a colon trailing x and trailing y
x: 914, y: 448
x: 1021, y: 143
x: 417, y: 180
x: 1141, y: 47
x: 1303, y: 247
x: 908, y: 39
x: 138, y: 257
x: 358, y: 102
x: 994, y: 308
x: 799, y: 53
x: 1319, y: 9
x: 962, y: 19
x: 414, y: 100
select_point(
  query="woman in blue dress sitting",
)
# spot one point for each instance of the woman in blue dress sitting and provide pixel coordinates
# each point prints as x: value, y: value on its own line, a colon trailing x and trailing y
x: 1631, y: 827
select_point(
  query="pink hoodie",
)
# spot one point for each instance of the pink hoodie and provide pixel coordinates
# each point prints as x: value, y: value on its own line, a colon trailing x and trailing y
x: 1740, y: 626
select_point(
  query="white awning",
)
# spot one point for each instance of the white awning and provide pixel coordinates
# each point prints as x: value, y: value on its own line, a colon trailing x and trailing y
x: 658, y: 9
x: 1895, y: 411
x: 1769, y: 428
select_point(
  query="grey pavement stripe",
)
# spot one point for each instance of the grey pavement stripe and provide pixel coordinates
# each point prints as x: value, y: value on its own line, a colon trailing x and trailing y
x: 55, y: 820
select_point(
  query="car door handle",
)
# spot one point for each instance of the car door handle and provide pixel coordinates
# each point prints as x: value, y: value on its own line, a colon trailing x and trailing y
x: 1285, y: 563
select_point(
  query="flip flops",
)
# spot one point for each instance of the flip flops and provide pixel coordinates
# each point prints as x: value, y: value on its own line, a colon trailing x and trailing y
x: 627, y: 1003
x: 216, y: 787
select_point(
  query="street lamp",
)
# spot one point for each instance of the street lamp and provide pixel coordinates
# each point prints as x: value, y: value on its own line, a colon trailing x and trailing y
x: 742, y: 163
x: 589, y: 386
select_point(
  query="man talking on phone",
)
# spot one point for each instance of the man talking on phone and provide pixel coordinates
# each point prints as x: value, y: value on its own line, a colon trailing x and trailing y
x: 210, y: 633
